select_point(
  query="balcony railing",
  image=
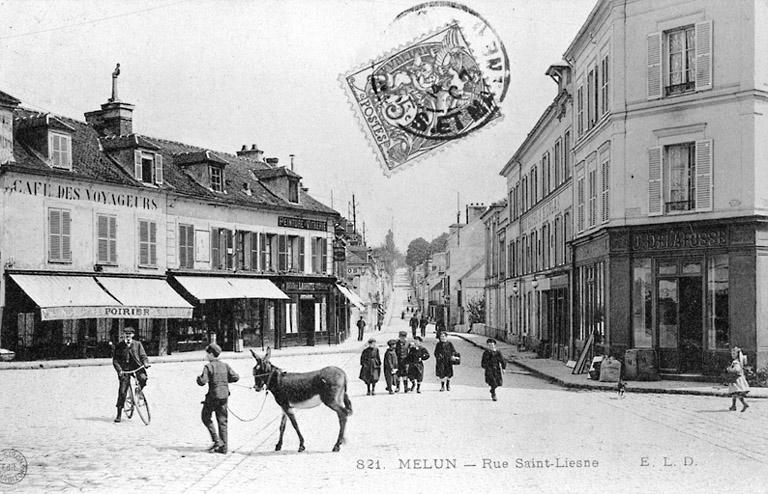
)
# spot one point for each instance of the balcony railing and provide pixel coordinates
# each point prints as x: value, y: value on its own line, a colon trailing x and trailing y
x: 675, y: 206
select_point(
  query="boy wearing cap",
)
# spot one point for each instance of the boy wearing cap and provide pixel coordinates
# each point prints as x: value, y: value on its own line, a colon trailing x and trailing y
x: 128, y: 356
x: 401, y: 349
x: 217, y: 375
x: 493, y: 362
x: 370, y: 366
x: 416, y: 355
x: 390, y: 365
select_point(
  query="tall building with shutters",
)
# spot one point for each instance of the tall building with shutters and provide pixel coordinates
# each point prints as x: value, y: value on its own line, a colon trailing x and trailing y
x: 669, y: 192
x: 105, y: 228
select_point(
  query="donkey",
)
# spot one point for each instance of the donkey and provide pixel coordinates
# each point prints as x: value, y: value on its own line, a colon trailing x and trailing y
x: 303, y: 390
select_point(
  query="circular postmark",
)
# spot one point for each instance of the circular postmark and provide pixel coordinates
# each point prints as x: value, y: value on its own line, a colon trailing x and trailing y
x: 446, y: 85
x: 13, y: 466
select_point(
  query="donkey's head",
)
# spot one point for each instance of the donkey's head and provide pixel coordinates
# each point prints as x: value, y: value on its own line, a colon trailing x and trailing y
x: 262, y: 370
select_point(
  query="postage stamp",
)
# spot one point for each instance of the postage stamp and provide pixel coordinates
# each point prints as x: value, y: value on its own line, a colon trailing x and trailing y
x: 13, y: 466
x: 431, y: 91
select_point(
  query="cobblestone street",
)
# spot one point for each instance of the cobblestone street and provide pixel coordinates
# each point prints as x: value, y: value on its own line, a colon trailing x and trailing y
x: 62, y: 423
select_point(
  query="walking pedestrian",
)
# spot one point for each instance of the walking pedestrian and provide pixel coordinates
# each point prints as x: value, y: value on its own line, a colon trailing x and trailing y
x: 423, y: 325
x: 217, y: 375
x: 360, y: 328
x: 417, y: 354
x: 401, y: 349
x: 494, y: 364
x: 390, y: 365
x: 440, y: 326
x: 740, y: 387
x: 128, y: 356
x: 370, y: 367
x: 444, y: 353
x: 414, y: 323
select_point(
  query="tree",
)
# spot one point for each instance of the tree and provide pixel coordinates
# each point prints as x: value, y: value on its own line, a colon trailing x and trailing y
x: 439, y: 243
x: 476, y: 308
x: 418, y: 252
x: 388, y: 253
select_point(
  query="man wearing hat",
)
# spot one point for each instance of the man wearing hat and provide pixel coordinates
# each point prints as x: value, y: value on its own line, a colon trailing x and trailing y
x: 217, y: 375
x: 128, y: 356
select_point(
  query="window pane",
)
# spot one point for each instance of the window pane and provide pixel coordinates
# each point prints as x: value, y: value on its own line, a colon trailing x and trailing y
x: 668, y: 302
x: 718, y: 329
x: 642, y: 303
x: 667, y: 267
x: 692, y: 268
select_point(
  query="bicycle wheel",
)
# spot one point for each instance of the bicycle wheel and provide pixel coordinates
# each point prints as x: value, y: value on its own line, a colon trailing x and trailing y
x: 130, y: 403
x: 142, y: 406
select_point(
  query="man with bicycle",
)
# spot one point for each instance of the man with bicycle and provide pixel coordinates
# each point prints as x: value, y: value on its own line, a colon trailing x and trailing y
x: 129, y: 355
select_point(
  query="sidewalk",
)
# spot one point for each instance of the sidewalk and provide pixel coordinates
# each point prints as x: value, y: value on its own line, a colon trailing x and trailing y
x: 557, y: 372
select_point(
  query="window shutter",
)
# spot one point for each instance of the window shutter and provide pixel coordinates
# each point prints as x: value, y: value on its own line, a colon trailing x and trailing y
x: 137, y: 164
x: 654, y: 65
x: 704, y: 175
x: 158, y: 168
x: 580, y: 204
x: 113, y: 240
x: 655, y: 182
x: 67, y: 143
x: 182, y: 246
x: 703, y: 55
x: 54, y: 237
x: 153, y: 243
x: 143, y: 243
x: 605, y: 188
x: 301, y: 255
x: 66, y: 244
x: 102, y: 227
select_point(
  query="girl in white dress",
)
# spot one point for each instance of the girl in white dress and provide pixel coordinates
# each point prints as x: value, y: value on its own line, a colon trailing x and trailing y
x: 740, y: 387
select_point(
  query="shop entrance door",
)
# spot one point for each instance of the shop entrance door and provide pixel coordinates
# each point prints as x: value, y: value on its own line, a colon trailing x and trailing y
x: 307, y: 320
x: 680, y: 341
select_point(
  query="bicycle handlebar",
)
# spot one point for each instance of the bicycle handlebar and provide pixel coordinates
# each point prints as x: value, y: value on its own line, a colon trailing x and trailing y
x: 134, y: 371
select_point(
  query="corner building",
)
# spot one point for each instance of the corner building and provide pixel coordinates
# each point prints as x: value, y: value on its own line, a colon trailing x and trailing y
x: 669, y: 195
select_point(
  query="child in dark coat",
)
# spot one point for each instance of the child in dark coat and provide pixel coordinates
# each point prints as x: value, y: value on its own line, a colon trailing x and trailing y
x: 416, y: 355
x: 370, y: 366
x: 401, y: 349
x: 493, y: 363
x: 390, y: 365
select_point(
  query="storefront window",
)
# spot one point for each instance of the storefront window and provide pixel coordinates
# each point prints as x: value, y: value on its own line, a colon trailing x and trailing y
x: 667, y: 267
x: 292, y: 315
x: 718, y: 330
x: 642, y: 303
x: 668, y: 305
x: 692, y: 268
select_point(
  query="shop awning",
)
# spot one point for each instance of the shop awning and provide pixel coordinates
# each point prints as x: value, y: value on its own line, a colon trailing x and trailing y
x: 146, y: 298
x: 352, y: 297
x: 66, y: 297
x: 211, y: 288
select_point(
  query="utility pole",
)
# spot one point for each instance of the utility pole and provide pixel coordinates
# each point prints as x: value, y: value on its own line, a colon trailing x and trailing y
x: 363, y: 232
x: 458, y: 221
x: 331, y: 198
x: 354, y: 214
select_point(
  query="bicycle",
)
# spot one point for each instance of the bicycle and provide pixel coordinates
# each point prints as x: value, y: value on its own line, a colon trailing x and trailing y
x: 135, y: 399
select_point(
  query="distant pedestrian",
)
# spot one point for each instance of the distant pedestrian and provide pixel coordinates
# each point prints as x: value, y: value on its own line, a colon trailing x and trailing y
x: 370, y: 367
x: 417, y: 354
x: 740, y: 387
x: 128, y: 356
x: 360, y: 328
x: 401, y: 349
x: 402, y: 315
x: 414, y: 323
x: 423, y: 325
x: 444, y: 353
x: 390, y: 365
x: 217, y: 375
x: 494, y: 364
x: 440, y: 326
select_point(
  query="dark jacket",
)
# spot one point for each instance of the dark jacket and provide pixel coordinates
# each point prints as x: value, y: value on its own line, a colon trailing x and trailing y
x: 370, y: 365
x: 493, y: 362
x: 423, y: 322
x: 443, y: 353
x: 401, y: 350
x: 360, y: 324
x: 390, y: 361
x: 415, y: 366
x: 217, y: 375
x: 127, y: 358
x: 414, y: 322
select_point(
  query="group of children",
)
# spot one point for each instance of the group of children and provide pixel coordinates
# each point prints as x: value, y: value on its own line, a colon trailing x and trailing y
x: 404, y: 363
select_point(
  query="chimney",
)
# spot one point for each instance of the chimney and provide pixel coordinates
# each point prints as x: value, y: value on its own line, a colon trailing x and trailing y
x: 247, y: 189
x: 291, y: 156
x: 272, y: 161
x: 7, y: 104
x: 254, y: 153
x: 474, y: 211
x: 115, y: 117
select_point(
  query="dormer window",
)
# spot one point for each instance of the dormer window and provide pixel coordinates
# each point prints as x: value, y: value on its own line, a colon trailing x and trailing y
x: 148, y: 167
x: 60, y: 150
x: 293, y: 191
x: 217, y: 178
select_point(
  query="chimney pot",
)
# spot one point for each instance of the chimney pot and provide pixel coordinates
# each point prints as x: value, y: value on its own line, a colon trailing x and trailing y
x: 244, y: 147
x: 253, y: 147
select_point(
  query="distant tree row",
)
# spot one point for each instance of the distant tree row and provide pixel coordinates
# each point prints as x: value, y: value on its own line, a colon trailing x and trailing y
x: 388, y: 254
x: 419, y: 249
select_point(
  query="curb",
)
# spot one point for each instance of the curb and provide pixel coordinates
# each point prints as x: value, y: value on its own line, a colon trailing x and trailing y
x: 32, y: 365
x: 605, y: 387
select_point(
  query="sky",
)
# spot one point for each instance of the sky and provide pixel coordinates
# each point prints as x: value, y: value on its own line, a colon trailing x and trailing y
x: 221, y: 74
